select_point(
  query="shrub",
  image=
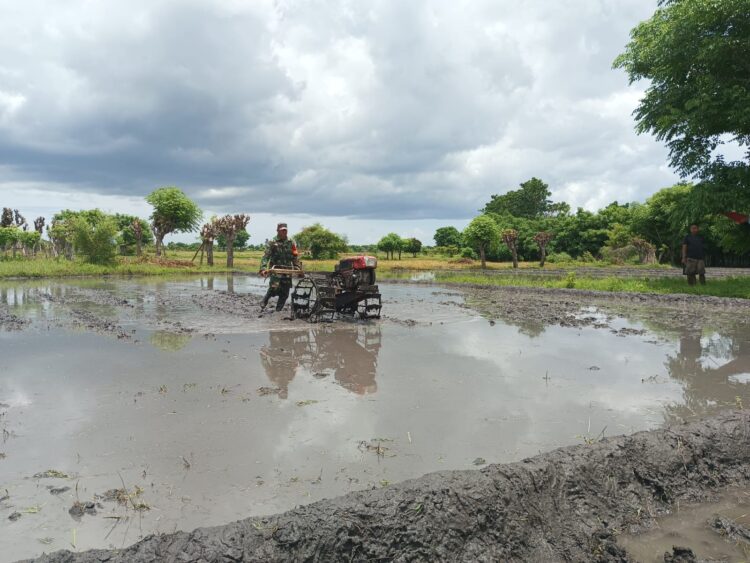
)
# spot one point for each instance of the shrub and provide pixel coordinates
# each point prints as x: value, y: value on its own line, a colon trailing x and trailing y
x: 97, y: 243
x: 587, y: 257
x: 559, y: 257
x: 467, y: 252
x: 619, y: 256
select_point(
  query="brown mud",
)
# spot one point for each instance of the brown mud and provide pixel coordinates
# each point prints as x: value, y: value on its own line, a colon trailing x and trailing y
x: 179, y: 391
x: 568, y: 307
x: 566, y: 505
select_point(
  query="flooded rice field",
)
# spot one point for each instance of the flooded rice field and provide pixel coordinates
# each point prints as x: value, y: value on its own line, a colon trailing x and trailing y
x: 132, y: 407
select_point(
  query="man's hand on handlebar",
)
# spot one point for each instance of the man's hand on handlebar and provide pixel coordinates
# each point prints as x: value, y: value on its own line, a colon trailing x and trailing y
x: 264, y: 273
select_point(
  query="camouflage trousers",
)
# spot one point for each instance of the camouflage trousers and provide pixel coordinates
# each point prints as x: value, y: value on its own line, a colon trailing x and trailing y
x: 278, y: 286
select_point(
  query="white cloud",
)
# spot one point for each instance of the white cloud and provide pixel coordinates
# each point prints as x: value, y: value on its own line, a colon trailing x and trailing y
x: 373, y: 111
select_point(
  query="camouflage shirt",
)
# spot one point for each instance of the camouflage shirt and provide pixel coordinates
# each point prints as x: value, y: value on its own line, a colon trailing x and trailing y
x: 280, y: 253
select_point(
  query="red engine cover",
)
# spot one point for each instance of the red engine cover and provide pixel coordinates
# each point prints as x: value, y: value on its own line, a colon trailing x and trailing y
x: 359, y: 263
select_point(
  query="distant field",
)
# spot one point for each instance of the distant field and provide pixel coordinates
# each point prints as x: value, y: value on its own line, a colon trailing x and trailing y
x: 245, y: 261
x: 179, y: 262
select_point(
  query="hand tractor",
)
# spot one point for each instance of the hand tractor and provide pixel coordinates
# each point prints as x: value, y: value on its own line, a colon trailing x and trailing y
x: 349, y: 290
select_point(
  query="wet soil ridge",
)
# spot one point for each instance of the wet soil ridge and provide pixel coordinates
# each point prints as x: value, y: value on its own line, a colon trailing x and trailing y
x: 566, y: 505
x: 11, y: 322
x: 534, y: 308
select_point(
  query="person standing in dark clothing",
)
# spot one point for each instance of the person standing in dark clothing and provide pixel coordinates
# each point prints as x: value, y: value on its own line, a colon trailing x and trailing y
x: 693, y: 256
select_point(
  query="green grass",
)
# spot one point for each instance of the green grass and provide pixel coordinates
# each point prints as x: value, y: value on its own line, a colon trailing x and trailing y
x: 248, y: 261
x: 47, y: 268
x: 724, y: 287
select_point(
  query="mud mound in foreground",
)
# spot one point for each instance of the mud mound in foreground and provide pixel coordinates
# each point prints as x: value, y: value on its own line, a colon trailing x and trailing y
x: 568, y: 504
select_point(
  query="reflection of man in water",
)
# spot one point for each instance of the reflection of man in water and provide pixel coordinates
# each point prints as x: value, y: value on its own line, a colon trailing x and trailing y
x: 278, y: 359
x: 350, y: 354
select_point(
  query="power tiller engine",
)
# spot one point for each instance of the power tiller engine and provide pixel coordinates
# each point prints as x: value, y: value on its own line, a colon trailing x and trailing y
x: 349, y: 290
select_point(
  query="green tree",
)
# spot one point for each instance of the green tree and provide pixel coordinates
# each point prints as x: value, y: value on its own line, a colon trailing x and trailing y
x: 482, y: 233
x: 530, y: 201
x: 320, y: 242
x: 413, y: 245
x: 129, y: 226
x: 240, y: 243
x: 696, y: 55
x: 174, y: 212
x: 663, y: 221
x: 448, y: 236
x: 97, y: 242
x: 390, y: 244
x: 63, y: 226
x: 9, y: 236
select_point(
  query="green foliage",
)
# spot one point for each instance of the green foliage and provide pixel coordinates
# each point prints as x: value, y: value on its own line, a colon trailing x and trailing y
x: 9, y: 236
x: 619, y: 236
x: 413, y: 246
x: 126, y: 235
x: 696, y: 55
x: 483, y: 234
x: 240, y: 243
x: 530, y: 201
x: 558, y: 257
x: 448, y: 236
x: 96, y: 242
x: 29, y: 239
x: 320, y: 242
x: 467, y: 252
x: 173, y: 212
x: 390, y: 244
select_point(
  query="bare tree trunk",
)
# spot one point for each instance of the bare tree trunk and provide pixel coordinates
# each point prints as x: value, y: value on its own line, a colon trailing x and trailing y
x: 159, y: 241
x: 210, y: 253
x: 543, y: 253
x: 514, y: 254
x: 482, y: 257
x: 230, y: 251
x: 138, y: 247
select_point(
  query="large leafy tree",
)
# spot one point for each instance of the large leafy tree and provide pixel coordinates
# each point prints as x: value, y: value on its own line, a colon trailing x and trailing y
x: 413, y: 245
x: 530, y: 201
x: 696, y: 54
x: 447, y: 236
x: 482, y: 233
x: 320, y: 242
x: 174, y: 212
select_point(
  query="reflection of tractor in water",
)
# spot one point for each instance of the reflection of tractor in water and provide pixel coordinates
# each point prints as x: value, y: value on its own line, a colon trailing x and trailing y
x: 350, y: 290
x: 349, y: 354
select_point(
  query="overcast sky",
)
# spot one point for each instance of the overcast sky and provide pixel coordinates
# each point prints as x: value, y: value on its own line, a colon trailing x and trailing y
x: 369, y: 116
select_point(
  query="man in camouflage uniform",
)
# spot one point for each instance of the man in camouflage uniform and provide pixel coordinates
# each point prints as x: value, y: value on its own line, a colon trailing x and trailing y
x: 282, y: 253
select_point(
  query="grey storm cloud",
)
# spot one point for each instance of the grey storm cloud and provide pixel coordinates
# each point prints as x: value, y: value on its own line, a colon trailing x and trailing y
x: 372, y: 109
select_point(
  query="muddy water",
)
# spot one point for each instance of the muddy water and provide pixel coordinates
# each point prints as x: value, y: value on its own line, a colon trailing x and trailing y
x: 179, y: 392
x: 692, y: 526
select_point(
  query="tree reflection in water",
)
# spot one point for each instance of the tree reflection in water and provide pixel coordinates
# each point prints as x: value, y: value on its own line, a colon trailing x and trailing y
x: 709, y: 370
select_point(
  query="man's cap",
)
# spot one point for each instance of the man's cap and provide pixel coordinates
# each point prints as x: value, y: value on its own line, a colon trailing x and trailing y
x: 281, y: 226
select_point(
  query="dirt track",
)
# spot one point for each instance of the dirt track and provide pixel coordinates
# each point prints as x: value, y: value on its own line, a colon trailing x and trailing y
x: 569, y: 504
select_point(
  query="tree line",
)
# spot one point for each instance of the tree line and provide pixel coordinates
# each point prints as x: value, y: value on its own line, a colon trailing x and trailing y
x: 524, y: 224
